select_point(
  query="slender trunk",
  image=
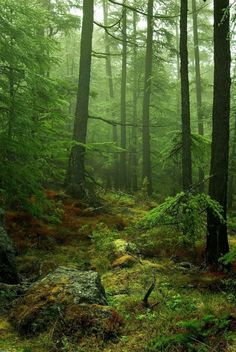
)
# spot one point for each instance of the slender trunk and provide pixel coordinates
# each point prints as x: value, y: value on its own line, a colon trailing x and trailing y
x: 217, y: 239
x: 147, y: 168
x: 232, y: 169
x: 76, y: 170
x: 185, y: 104
x: 175, y: 176
x: 134, y: 176
x: 123, y: 161
x: 198, y: 86
x: 111, y: 94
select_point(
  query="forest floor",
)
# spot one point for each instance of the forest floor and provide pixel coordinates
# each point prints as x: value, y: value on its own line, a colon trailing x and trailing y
x: 189, y: 309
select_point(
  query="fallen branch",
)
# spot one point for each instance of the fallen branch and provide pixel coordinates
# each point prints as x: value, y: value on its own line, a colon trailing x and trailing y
x: 149, y: 292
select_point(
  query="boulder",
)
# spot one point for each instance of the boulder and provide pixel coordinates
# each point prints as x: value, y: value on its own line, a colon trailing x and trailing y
x: 8, y: 272
x: 66, y: 298
x: 84, y: 320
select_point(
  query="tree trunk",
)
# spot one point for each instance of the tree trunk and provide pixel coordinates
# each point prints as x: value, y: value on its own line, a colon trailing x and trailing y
x: 185, y: 104
x: 76, y: 171
x: 175, y: 175
x: 232, y: 168
x: 198, y: 86
x: 147, y: 168
x: 134, y: 176
x: 123, y: 161
x: 111, y: 94
x: 217, y: 239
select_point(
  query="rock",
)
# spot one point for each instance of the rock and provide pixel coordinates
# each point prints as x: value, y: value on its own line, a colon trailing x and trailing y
x: 8, y: 272
x: 86, y: 319
x: 51, y: 300
x: 122, y: 247
x: 126, y: 261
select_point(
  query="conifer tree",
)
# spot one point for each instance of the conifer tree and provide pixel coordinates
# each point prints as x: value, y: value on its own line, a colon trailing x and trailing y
x: 76, y: 174
x: 217, y: 238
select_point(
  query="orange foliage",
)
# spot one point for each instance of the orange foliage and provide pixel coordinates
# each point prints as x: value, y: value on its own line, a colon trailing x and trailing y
x: 28, y: 231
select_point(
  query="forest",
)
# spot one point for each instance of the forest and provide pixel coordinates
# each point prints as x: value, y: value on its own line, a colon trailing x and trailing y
x: 117, y: 175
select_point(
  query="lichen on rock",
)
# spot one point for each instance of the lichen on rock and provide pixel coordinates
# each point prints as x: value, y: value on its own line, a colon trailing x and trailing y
x: 61, y: 295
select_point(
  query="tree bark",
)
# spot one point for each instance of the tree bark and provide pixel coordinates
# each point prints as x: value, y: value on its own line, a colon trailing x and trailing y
x: 198, y: 86
x: 217, y: 239
x: 232, y: 168
x: 123, y: 161
x: 111, y: 94
x: 76, y: 182
x: 175, y: 175
x: 147, y: 168
x: 185, y: 104
x: 134, y: 176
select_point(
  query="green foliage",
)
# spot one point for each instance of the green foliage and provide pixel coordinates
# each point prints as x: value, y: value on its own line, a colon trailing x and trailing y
x: 229, y: 257
x: 179, y: 302
x: 27, y: 349
x: 31, y: 101
x: 186, y: 212
x: 102, y: 243
x: 200, y: 148
x: 194, y: 334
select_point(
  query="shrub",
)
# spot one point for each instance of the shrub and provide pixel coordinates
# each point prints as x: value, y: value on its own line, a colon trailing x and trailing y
x: 185, y: 212
x: 194, y: 335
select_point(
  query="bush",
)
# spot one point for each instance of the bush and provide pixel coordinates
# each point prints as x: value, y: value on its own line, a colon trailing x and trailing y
x: 194, y: 335
x: 186, y: 213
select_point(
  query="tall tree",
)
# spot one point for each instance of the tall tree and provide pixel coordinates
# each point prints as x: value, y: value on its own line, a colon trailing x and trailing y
x: 232, y: 168
x: 198, y: 84
x: 185, y: 104
x: 175, y: 175
x: 217, y: 239
x: 134, y: 176
x: 76, y: 178
x: 123, y: 161
x: 111, y: 91
x: 232, y: 153
x: 147, y: 167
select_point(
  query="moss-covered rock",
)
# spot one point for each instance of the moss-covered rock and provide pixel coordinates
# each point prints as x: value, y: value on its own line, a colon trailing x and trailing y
x: 65, y: 292
x: 126, y: 261
x: 89, y: 319
x: 121, y: 247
